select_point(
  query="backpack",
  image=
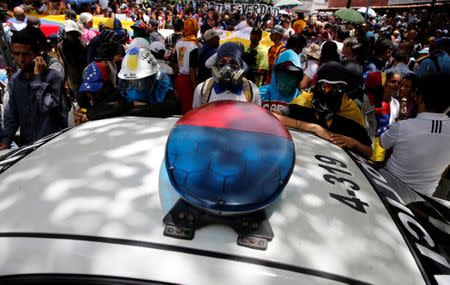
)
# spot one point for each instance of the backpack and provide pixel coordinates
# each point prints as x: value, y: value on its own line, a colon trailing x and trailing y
x: 67, y: 96
x: 208, y: 85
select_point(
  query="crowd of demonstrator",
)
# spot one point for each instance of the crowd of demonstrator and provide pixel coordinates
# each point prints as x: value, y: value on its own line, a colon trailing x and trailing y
x: 376, y: 88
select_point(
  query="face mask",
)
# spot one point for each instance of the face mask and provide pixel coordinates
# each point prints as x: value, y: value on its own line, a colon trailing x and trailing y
x: 136, y: 95
x: 228, y: 75
x: 287, y: 82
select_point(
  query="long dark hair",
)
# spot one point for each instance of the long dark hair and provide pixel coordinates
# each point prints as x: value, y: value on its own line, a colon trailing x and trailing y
x: 329, y: 52
x: 73, y: 49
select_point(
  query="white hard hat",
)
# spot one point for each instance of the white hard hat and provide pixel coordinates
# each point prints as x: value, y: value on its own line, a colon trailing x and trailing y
x: 138, y: 63
x: 86, y: 17
x: 71, y: 26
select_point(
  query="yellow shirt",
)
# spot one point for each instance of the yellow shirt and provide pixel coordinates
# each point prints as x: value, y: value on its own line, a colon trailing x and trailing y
x: 348, y: 109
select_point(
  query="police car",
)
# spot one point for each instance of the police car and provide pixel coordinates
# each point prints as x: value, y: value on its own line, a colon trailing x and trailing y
x: 224, y: 195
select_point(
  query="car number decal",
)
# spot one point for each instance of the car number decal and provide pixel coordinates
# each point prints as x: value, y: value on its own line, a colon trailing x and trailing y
x: 336, y: 168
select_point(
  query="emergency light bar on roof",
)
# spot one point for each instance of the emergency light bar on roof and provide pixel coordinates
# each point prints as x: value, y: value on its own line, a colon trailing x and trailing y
x: 227, y: 158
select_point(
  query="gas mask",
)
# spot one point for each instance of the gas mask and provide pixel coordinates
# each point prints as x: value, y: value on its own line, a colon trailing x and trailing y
x: 228, y: 75
x: 327, y: 102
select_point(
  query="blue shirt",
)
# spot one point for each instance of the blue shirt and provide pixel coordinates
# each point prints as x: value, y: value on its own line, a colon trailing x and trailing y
x: 428, y: 65
x: 37, y: 106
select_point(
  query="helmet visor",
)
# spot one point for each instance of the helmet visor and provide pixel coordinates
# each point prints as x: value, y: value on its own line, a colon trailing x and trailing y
x: 138, y: 84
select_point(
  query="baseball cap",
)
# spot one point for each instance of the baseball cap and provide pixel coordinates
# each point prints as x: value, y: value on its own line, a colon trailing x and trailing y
x: 139, y: 25
x: 118, y: 27
x: 157, y: 47
x: 71, y: 26
x: 211, y: 33
x: 277, y: 30
x: 93, y: 78
x: 333, y: 73
x: 230, y: 49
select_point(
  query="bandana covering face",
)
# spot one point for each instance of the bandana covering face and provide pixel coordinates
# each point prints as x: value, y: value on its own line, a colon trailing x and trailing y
x: 190, y: 31
x: 287, y: 82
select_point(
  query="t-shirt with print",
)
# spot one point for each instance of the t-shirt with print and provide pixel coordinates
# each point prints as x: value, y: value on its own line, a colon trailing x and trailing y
x: 184, y: 57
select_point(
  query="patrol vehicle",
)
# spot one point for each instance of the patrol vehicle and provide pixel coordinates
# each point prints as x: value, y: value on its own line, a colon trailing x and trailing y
x: 224, y: 195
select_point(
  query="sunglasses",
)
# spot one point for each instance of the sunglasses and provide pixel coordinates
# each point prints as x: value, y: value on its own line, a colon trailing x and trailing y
x: 328, y: 88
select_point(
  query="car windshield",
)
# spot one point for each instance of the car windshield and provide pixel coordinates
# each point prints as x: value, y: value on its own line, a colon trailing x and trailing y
x: 10, y: 158
x: 424, y: 226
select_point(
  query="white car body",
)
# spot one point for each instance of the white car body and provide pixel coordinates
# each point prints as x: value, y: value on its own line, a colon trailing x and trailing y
x: 91, y: 201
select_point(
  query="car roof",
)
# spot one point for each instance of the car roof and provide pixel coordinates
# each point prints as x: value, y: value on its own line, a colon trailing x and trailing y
x: 102, y: 188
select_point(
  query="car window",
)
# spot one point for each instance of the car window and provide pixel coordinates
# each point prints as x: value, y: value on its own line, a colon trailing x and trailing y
x: 424, y: 226
x: 10, y: 158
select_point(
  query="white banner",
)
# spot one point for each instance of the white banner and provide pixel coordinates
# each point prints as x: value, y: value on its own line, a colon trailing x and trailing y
x: 244, y: 8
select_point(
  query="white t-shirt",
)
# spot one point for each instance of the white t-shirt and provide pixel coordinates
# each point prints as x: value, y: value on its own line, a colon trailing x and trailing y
x: 18, y: 26
x: 288, y: 33
x: 421, y: 150
x: 339, y: 47
x: 183, y: 49
x: 311, y: 68
x: 226, y: 95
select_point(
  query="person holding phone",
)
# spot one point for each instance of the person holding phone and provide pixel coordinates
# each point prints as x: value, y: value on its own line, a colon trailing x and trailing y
x: 37, y: 104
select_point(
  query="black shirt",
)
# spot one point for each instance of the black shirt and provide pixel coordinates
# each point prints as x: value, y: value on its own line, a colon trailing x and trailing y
x: 339, y: 125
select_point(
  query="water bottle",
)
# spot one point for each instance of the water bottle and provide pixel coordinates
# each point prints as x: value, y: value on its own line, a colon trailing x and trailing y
x: 403, y: 109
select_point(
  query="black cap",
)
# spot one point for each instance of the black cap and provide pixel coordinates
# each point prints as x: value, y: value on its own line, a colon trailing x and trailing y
x: 153, y: 22
x: 333, y: 72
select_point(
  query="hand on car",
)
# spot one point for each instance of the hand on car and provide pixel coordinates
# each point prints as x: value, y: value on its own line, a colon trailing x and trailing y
x: 321, y: 132
x: 80, y: 116
x: 343, y: 141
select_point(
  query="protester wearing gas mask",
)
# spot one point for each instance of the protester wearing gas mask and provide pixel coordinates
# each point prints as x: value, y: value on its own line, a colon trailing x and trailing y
x: 328, y: 112
x: 283, y: 87
x: 228, y: 81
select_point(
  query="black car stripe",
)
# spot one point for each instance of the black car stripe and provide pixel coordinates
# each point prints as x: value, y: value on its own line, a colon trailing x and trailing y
x: 206, y: 253
x: 432, y: 126
x: 440, y: 127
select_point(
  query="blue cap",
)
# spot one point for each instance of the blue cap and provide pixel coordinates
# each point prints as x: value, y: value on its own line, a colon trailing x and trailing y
x: 118, y: 27
x: 92, y: 79
x: 138, y: 25
x: 232, y: 50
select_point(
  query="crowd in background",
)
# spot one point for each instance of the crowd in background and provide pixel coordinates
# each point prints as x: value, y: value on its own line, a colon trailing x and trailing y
x: 376, y: 70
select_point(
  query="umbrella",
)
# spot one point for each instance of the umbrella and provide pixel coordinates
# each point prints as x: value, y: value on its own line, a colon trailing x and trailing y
x: 370, y: 11
x: 349, y: 15
x: 299, y: 9
x: 288, y: 3
x: 285, y: 12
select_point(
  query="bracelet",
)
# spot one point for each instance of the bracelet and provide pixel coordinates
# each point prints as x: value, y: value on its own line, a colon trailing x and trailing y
x: 83, y: 110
